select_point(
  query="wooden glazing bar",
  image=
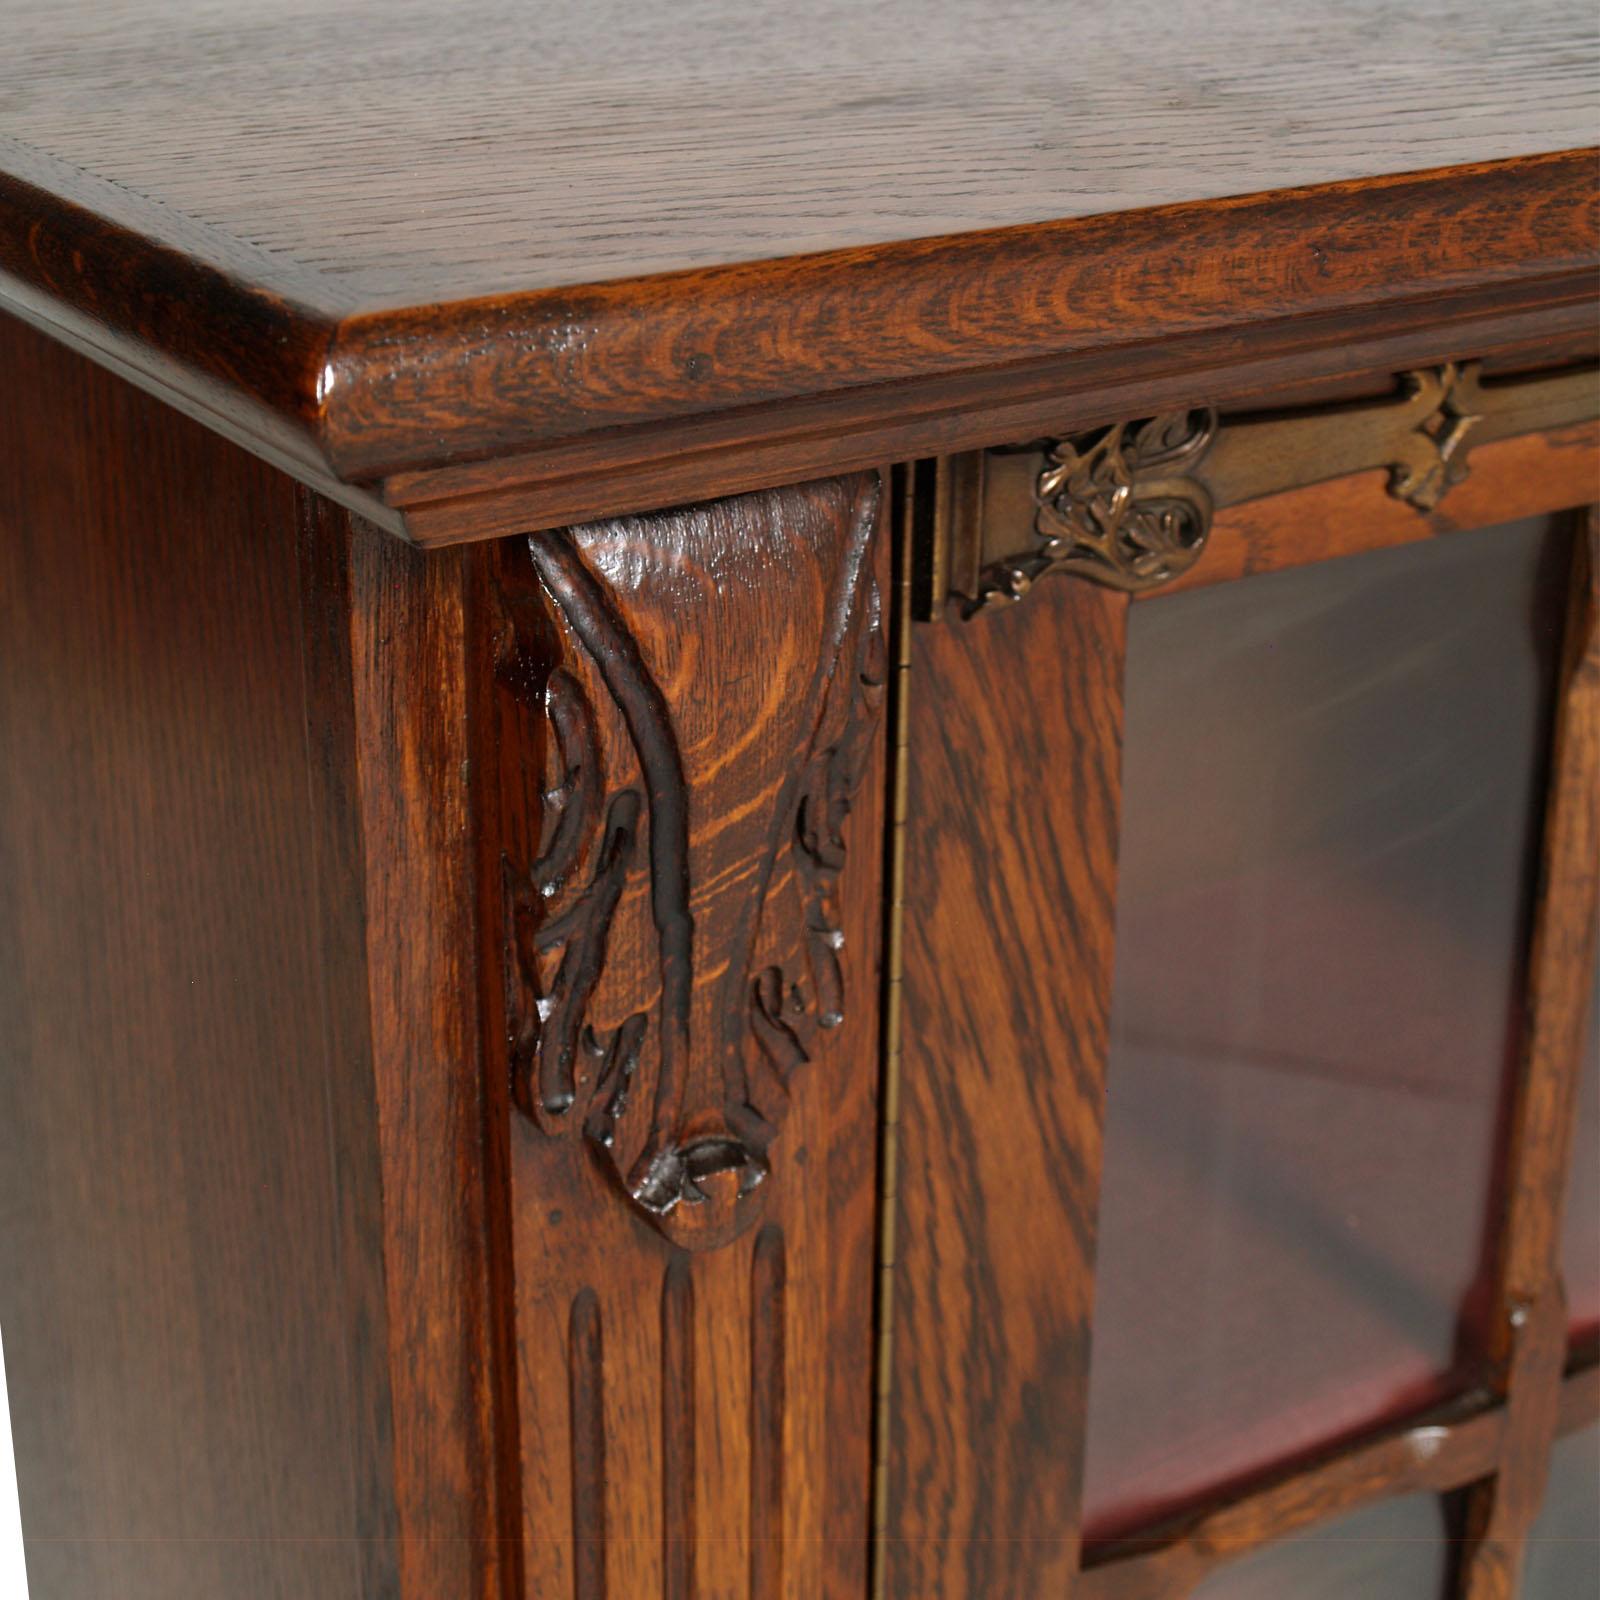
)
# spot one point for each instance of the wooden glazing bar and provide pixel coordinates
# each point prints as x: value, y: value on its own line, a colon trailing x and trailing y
x: 1446, y: 1450
x: 1528, y: 1331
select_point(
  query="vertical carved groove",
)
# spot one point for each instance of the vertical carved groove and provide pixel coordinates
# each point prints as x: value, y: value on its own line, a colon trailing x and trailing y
x: 677, y: 1431
x: 768, y: 1275
x: 586, y: 1375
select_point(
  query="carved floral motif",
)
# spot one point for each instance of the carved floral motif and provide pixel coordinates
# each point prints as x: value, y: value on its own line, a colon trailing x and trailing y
x: 683, y: 1114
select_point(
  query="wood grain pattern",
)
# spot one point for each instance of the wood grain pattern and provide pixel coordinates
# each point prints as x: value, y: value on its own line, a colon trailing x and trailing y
x: 459, y: 154
x: 411, y: 623
x: 1528, y: 1332
x: 1010, y: 853
x: 758, y: 446
x: 768, y: 1387
x: 734, y: 1375
x: 655, y: 372
x: 672, y: 937
x: 192, y: 1277
x: 678, y: 1526
x: 586, y: 1367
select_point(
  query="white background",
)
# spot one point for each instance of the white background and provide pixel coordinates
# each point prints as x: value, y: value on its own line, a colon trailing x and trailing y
x: 13, y: 1584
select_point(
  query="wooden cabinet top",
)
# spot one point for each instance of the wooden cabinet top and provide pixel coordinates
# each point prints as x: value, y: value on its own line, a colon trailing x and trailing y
x: 426, y: 250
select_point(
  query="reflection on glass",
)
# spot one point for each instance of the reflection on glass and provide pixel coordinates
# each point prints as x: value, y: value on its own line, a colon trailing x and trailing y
x: 1564, y: 1546
x: 1580, y: 1253
x: 1331, y: 802
x: 1395, y: 1550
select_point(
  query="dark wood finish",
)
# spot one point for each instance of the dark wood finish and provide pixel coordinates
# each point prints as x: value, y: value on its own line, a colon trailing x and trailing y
x: 1009, y: 899
x: 411, y: 624
x: 789, y: 441
x: 796, y: 329
x: 601, y: 390
x: 442, y: 1145
x: 193, y: 1276
x: 404, y: 1261
x: 1528, y: 1334
x: 685, y: 836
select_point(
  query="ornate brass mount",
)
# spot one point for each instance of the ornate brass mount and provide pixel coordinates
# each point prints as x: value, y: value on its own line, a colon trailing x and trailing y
x: 1130, y: 504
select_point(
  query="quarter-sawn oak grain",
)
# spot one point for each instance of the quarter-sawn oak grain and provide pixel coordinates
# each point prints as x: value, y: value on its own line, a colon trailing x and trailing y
x: 500, y: 233
x: 1010, y: 893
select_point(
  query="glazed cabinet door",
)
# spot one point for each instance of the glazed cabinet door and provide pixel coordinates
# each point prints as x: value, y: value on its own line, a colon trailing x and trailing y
x: 1249, y: 865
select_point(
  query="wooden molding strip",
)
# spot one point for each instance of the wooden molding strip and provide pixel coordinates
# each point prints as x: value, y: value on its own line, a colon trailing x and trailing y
x: 901, y: 501
x: 1446, y: 1450
x: 1528, y: 1330
x: 470, y: 419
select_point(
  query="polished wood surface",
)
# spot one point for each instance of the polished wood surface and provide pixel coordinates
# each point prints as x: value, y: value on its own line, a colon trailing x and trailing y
x: 416, y: 152
x: 519, y: 238
x: 192, y: 1276
x: 571, y: 1066
x: 1528, y: 1333
x: 1009, y: 899
x: 406, y: 621
x: 685, y: 841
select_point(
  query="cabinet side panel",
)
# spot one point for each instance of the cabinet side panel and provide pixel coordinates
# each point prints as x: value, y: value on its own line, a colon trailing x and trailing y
x: 192, y: 1308
x: 1015, y: 735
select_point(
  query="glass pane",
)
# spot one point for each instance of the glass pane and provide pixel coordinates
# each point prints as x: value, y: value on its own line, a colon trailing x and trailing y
x: 1580, y: 1254
x: 1564, y: 1547
x: 1332, y: 786
x: 1395, y: 1550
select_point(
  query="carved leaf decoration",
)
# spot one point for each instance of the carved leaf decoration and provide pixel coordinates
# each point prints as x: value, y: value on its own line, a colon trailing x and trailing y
x: 559, y: 910
x: 810, y: 988
x: 679, y: 1085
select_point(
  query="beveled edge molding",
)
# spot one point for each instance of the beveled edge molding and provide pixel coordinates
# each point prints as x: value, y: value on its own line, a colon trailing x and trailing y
x: 1130, y: 504
x: 710, y: 1098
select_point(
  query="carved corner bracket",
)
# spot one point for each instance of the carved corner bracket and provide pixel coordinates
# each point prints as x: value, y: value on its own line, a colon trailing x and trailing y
x: 705, y: 686
x: 1130, y: 504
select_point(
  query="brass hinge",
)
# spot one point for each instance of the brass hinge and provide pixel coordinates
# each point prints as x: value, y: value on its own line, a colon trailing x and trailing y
x: 1130, y: 504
